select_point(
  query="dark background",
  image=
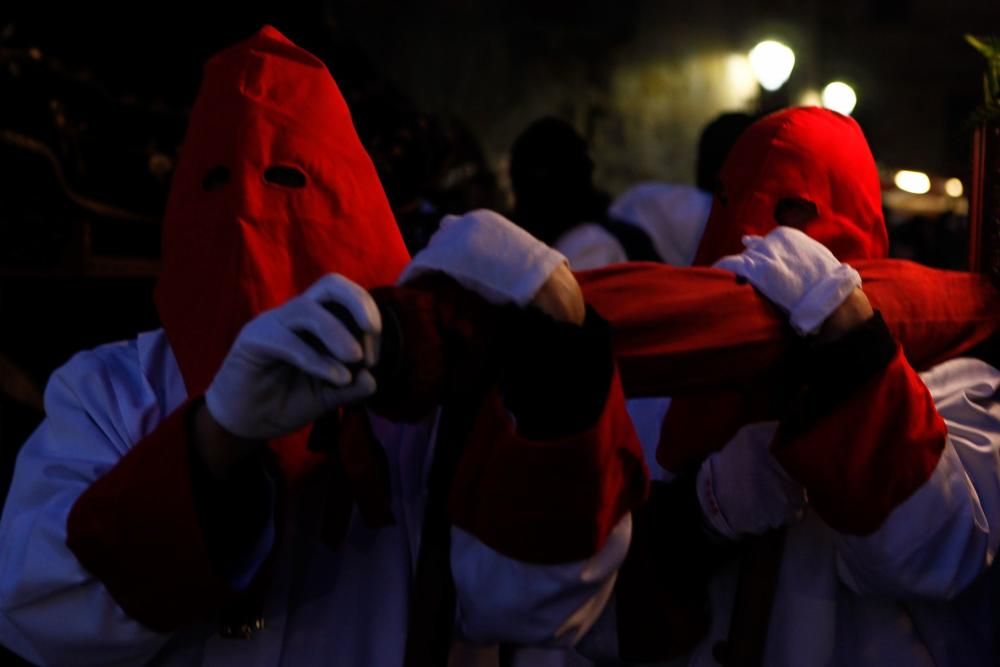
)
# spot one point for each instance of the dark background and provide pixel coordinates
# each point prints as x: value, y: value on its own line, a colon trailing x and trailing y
x: 499, y: 64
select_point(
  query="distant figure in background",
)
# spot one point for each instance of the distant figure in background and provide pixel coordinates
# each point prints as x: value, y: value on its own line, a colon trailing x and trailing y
x: 673, y: 215
x: 717, y: 138
x: 551, y: 172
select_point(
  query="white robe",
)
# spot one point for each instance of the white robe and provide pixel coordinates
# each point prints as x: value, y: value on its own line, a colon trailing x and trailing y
x: 325, y: 607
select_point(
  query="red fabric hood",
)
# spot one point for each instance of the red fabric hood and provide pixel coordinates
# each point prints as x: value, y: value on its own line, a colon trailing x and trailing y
x: 805, y: 153
x: 239, y: 236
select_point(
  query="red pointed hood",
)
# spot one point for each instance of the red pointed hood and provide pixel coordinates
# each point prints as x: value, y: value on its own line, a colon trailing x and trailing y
x: 272, y: 190
x: 803, y: 153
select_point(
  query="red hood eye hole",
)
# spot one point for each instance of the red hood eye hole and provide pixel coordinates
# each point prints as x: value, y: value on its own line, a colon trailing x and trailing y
x: 215, y: 178
x: 794, y: 212
x: 285, y: 176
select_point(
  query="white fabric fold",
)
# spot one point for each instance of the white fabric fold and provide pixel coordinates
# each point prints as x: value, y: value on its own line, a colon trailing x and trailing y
x: 672, y: 215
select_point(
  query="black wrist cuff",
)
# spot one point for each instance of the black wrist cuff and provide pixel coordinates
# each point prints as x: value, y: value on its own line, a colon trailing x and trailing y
x: 831, y: 372
x: 555, y: 375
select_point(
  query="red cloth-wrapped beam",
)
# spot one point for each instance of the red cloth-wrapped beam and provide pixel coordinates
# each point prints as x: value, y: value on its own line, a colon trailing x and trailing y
x: 681, y: 330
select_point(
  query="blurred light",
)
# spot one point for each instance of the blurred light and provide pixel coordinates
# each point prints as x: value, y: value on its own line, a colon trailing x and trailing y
x: 772, y: 63
x: 740, y: 79
x: 953, y: 187
x: 810, y: 98
x: 914, y: 182
x: 839, y: 97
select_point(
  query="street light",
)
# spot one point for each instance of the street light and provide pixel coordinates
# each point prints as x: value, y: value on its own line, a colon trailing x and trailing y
x: 840, y: 97
x: 772, y: 64
x: 914, y: 182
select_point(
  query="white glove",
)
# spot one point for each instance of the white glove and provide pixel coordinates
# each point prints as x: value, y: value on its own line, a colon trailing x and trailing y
x: 795, y: 272
x: 273, y: 382
x: 489, y: 255
x: 742, y: 490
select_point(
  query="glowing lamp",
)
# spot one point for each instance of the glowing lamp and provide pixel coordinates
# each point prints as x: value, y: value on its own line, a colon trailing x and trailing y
x: 953, y: 187
x: 839, y: 97
x: 772, y: 64
x: 914, y: 182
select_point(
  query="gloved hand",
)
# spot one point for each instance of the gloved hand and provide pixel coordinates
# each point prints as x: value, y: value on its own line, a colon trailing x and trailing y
x: 743, y: 490
x: 795, y: 272
x: 274, y: 379
x: 491, y: 256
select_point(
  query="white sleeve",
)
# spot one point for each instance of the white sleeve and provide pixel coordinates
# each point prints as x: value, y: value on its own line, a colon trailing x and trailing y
x: 52, y: 611
x: 947, y: 533
x: 504, y: 600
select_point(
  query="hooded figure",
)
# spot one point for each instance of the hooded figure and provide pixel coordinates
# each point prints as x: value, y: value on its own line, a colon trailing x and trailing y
x: 273, y: 190
x: 806, y: 168
x: 806, y: 162
x: 127, y: 539
x: 716, y: 140
x: 886, y: 481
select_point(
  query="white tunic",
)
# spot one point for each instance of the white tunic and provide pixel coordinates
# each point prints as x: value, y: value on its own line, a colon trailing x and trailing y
x: 347, y: 606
